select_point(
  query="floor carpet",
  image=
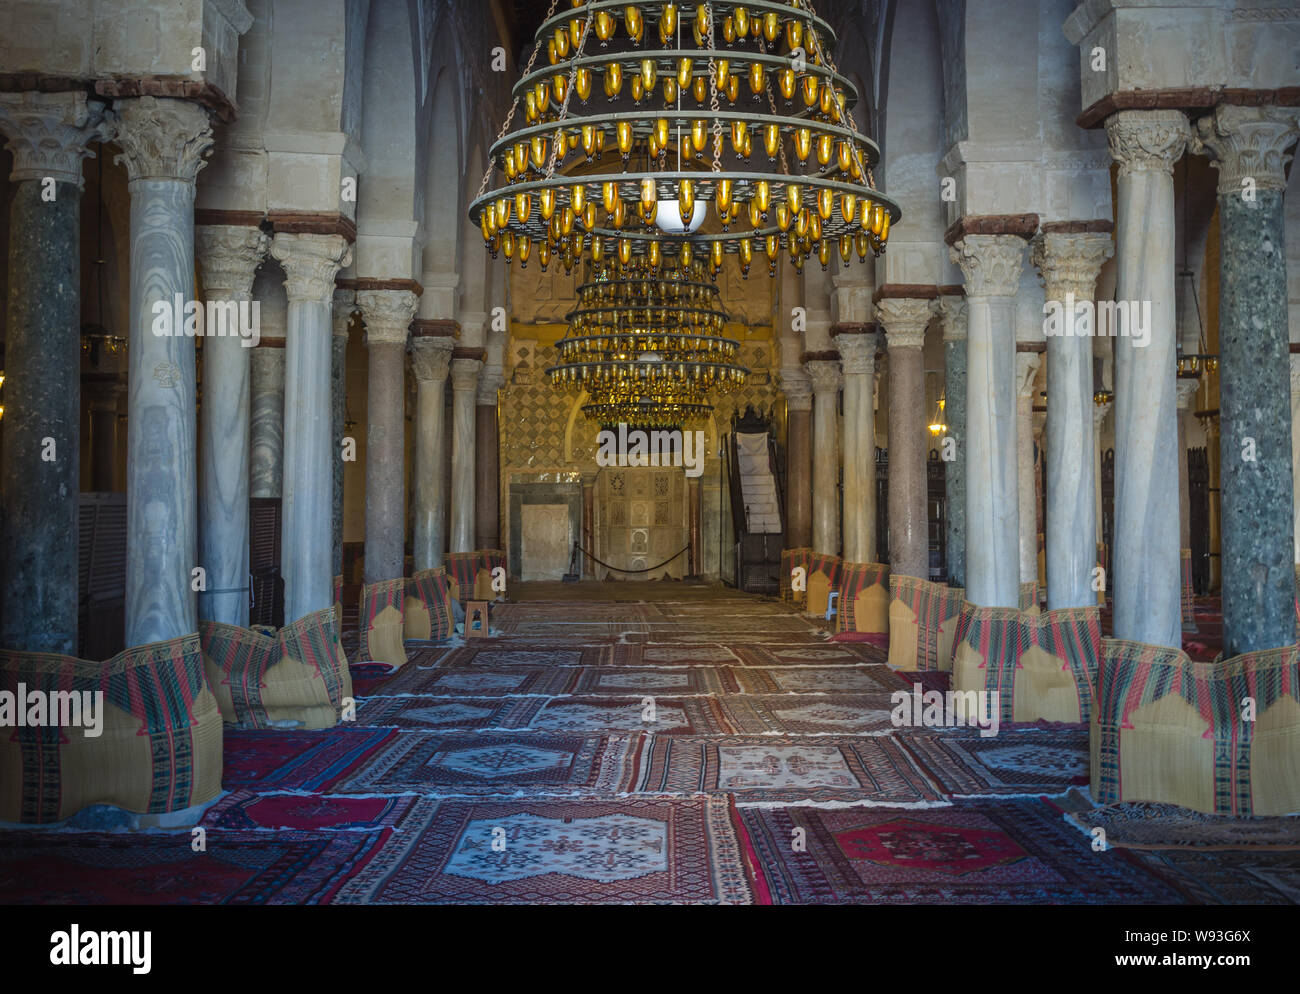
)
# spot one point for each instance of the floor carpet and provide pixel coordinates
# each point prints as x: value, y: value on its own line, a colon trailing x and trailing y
x: 655, y: 743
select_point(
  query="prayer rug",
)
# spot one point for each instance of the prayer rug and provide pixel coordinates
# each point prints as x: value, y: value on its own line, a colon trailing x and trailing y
x: 928, y: 679
x: 833, y: 714
x: 566, y: 612
x: 473, y: 682
x: 661, y: 680
x: 998, y: 852
x: 522, y: 656
x: 244, y: 810
x: 652, y: 654
x: 816, y: 654
x: 443, y: 715
x: 1229, y: 877
x: 1143, y: 825
x: 80, y: 868
x: 366, y: 677
x: 758, y: 768
x: 1031, y: 762
x: 807, y: 680
x: 735, y: 639
x: 296, y: 760
x: 561, y: 852
x: 487, y: 765
x: 660, y: 715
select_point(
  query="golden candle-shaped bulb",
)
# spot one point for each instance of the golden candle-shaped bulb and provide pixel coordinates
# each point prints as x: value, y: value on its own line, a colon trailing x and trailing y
x: 566, y: 221
x: 808, y: 87
x: 609, y: 192
x: 849, y: 207
x: 523, y: 207
x: 803, y: 143
x: 582, y: 83
x: 648, y: 192
x: 794, y: 33
x: 578, y: 197
x: 700, y: 89
x: 686, y: 199
x: 757, y: 75
x: 722, y: 193
x: 772, y: 140
x: 525, y: 250
x: 877, y: 219
x: 763, y: 195
x: 825, y: 148
x: 699, y: 135
x: 649, y: 73
x: 604, y: 26
x: 633, y: 22
x: 661, y: 132
x: 670, y: 90
x: 684, y: 66
x: 788, y: 82
x: 825, y: 202
x: 741, y: 17
x: 614, y: 79
x: 624, y: 130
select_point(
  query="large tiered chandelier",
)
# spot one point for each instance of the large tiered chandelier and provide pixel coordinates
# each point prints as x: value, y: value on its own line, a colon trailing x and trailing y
x: 647, y: 345
x: 681, y: 132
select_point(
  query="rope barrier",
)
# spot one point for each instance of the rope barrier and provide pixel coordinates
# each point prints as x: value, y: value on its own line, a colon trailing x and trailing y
x: 617, y: 569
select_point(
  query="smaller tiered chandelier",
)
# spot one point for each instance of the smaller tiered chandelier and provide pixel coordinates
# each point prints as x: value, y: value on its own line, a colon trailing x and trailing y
x: 648, y: 346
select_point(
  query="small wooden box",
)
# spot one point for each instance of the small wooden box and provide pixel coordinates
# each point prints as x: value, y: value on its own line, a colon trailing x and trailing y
x: 476, y: 619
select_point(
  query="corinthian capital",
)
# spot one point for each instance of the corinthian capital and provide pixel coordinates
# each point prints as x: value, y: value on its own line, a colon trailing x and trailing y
x: 1027, y: 364
x: 162, y: 138
x: 905, y: 320
x: 387, y: 314
x: 1147, y: 140
x: 228, y: 255
x: 797, y: 389
x: 952, y: 312
x: 1069, y: 263
x: 345, y: 305
x: 1248, y: 143
x: 490, y: 380
x: 1185, y: 390
x: 49, y: 133
x: 310, y: 264
x: 825, y: 375
x: 990, y: 263
x: 857, y: 354
x: 431, y: 357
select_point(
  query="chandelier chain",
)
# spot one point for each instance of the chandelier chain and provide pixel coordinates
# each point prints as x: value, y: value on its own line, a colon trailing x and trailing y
x: 714, y: 104
x: 568, y: 94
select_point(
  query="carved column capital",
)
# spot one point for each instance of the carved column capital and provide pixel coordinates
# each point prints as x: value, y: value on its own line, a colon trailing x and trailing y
x: 464, y: 374
x: 1185, y: 390
x: 345, y: 305
x: 1026, y: 369
x: 952, y: 312
x: 825, y: 375
x: 1070, y: 263
x: 904, y: 320
x: 490, y: 380
x: 50, y: 133
x: 310, y: 264
x: 1099, y: 412
x: 431, y: 358
x: 162, y: 138
x: 797, y: 389
x: 1247, y: 143
x: 1295, y: 374
x: 990, y: 263
x: 1147, y: 140
x: 228, y: 256
x: 857, y: 354
x: 388, y: 315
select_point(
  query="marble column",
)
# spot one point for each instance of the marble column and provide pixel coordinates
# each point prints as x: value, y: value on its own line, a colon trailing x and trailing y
x: 904, y: 320
x: 825, y: 376
x: 1295, y: 450
x: 430, y: 359
x: 1249, y: 146
x: 104, y: 395
x: 163, y: 141
x: 952, y: 312
x: 1069, y: 263
x: 798, y: 458
x: 991, y: 265
x: 266, y: 434
x: 464, y: 393
x: 40, y: 467
x: 1027, y: 364
x: 589, y: 567
x: 1146, y: 577
x: 694, y: 530
x: 387, y: 315
x: 487, y: 461
x: 228, y: 255
x: 344, y: 304
x: 1185, y: 390
x: 310, y: 262
x: 858, y: 361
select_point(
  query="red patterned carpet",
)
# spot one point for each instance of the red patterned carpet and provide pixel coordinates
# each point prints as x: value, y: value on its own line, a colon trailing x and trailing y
x: 712, y: 748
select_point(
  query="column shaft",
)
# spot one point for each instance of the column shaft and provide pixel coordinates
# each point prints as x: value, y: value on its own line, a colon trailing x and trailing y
x: 430, y: 356
x: 487, y: 528
x: 464, y: 381
x: 953, y: 310
x: 826, y: 456
x: 344, y: 305
x: 798, y: 459
x: 858, y: 353
x: 266, y: 435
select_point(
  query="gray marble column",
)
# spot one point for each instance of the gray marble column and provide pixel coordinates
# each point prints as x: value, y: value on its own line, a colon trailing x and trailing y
x: 464, y: 385
x: 1069, y: 263
x: 1099, y: 412
x: 1249, y: 146
x: 40, y: 467
x: 266, y: 437
x: 1146, y: 577
x: 1027, y: 364
x: 345, y: 303
x: 952, y: 312
x: 1184, y: 389
x: 310, y: 264
x: 904, y: 320
x: 487, y: 526
x: 825, y: 376
x: 798, y: 458
x: 388, y: 315
x: 163, y: 141
x: 858, y: 362
x: 1295, y: 450
x: 104, y: 396
x: 228, y: 256
x: 430, y: 359
x: 991, y: 265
